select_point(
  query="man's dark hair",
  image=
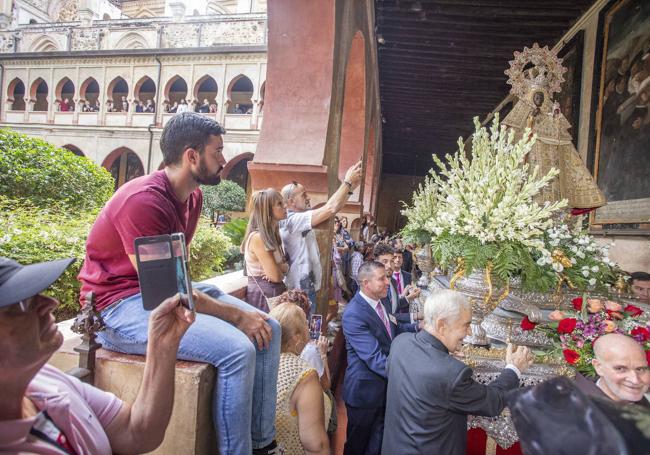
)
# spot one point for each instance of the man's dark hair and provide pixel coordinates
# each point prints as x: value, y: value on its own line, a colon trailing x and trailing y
x: 382, y: 248
x: 640, y: 276
x: 187, y: 130
x: 367, y: 269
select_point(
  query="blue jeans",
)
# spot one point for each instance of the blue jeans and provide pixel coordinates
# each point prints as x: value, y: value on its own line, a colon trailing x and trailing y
x: 243, y: 402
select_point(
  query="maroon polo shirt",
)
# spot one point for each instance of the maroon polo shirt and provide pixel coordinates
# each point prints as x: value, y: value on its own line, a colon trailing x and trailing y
x: 144, y: 206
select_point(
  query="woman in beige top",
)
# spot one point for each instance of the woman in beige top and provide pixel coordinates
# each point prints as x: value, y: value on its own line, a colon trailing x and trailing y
x: 302, y: 409
x: 262, y: 247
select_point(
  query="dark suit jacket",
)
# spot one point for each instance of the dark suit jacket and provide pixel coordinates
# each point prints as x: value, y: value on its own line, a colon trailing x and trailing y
x: 367, y: 344
x: 401, y: 312
x: 430, y: 394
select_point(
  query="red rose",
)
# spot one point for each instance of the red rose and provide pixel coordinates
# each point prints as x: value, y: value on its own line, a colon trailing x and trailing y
x: 566, y: 325
x: 571, y: 356
x: 577, y: 303
x: 641, y: 331
x: 527, y: 324
x: 647, y: 356
x: 633, y: 310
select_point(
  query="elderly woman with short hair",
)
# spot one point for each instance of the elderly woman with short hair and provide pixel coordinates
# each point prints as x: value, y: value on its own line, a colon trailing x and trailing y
x: 302, y: 409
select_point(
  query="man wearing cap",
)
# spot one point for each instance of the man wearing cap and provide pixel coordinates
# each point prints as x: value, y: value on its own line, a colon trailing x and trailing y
x: 43, y: 410
x: 298, y: 238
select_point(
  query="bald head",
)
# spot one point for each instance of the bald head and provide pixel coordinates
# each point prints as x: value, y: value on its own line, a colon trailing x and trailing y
x: 622, y: 366
x: 614, y: 344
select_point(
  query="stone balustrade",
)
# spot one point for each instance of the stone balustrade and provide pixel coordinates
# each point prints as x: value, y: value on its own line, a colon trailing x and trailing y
x: 129, y: 34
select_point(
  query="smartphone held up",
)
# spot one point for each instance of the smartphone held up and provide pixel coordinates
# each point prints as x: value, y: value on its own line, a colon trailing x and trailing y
x: 163, y: 269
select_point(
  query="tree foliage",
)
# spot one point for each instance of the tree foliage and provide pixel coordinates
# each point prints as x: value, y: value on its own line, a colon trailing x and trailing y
x: 34, y: 170
x: 227, y: 196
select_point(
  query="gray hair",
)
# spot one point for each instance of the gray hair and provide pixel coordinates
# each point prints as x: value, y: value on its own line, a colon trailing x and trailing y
x: 367, y: 270
x: 444, y: 304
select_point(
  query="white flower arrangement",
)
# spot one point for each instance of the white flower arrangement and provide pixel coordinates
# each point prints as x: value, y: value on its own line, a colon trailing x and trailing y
x: 577, y: 256
x: 489, y: 195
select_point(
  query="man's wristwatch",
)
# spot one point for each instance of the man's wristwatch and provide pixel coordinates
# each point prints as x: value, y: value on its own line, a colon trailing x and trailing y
x: 349, y: 186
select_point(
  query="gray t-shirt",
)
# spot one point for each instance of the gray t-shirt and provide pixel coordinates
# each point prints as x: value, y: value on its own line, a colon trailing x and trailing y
x: 300, y: 245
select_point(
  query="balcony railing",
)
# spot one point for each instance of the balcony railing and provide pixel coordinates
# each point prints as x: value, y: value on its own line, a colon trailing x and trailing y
x: 147, y: 33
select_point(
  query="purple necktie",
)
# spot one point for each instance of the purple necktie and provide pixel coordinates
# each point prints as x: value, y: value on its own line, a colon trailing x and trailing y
x: 380, y: 312
x: 399, y: 282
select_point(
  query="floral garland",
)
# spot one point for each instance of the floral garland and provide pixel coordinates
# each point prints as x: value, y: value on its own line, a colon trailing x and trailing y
x: 574, y: 258
x: 573, y: 333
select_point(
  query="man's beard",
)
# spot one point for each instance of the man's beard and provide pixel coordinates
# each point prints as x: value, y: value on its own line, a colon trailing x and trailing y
x: 203, y: 177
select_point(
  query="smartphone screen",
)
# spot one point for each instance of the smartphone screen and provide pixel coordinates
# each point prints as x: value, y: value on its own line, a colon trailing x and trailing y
x: 154, y: 251
x: 315, y: 324
x: 183, y: 282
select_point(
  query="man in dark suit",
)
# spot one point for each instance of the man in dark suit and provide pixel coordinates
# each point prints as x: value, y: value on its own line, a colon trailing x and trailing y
x: 430, y: 392
x: 369, y: 329
x: 398, y: 302
x: 407, y: 257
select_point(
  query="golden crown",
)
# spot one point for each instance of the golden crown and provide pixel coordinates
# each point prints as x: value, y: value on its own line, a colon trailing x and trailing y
x: 535, y: 68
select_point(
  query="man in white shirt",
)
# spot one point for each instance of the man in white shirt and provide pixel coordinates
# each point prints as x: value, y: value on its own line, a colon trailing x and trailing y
x: 298, y: 239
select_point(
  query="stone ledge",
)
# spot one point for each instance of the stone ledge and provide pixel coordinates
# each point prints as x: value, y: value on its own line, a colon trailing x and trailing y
x: 190, y: 429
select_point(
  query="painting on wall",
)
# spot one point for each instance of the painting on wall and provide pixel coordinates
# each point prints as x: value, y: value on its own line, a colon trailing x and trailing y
x: 569, y: 96
x: 621, y: 151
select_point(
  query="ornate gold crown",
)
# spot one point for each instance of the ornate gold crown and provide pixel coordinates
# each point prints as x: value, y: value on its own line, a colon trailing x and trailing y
x: 535, y: 68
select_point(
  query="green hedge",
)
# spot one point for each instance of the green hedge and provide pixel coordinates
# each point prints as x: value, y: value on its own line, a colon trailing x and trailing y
x: 37, y: 171
x: 35, y: 234
x: 49, y: 199
x: 208, y: 251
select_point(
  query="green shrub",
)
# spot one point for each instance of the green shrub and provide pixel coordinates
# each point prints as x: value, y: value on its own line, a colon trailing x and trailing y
x: 227, y: 196
x: 208, y: 251
x: 37, y: 171
x: 235, y: 230
x: 33, y: 234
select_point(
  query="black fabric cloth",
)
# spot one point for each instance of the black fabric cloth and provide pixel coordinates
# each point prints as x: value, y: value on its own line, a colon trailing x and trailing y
x: 364, y: 431
x: 407, y: 261
x: 430, y: 394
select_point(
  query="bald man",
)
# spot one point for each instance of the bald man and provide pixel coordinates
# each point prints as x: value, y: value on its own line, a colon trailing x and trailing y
x: 622, y: 367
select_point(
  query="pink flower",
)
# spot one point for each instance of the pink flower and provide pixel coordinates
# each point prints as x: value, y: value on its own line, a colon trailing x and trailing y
x: 580, y: 343
x: 556, y: 315
x: 594, y: 305
x: 610, y: 326
x: 613, y: 306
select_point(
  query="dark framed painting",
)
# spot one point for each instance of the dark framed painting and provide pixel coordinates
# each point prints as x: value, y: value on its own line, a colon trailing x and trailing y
x: 569, y: 96
x: 619, y: 153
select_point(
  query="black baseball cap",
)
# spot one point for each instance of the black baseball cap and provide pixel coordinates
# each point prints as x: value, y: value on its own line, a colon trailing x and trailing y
x: 20, y: 282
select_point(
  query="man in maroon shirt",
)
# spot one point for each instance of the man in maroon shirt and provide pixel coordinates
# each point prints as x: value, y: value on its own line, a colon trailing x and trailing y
x: 240, y: 341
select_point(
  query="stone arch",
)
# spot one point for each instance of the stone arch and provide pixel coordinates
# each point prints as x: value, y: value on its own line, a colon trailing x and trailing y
x: 38, y: 93
x: 353, y: 122
x: 124, y: 165
x: 240, y: 92
x: 89, y: 91
x: 16, y: 94
x: 44, y: 44
x: 236, y: 169
x: 132, y: 40
x: 145, y: 89
x: 176, y: 90
x: 206, y: 88
x: 65, y: 90
x: 74, y: 149
x: 117, y: 92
